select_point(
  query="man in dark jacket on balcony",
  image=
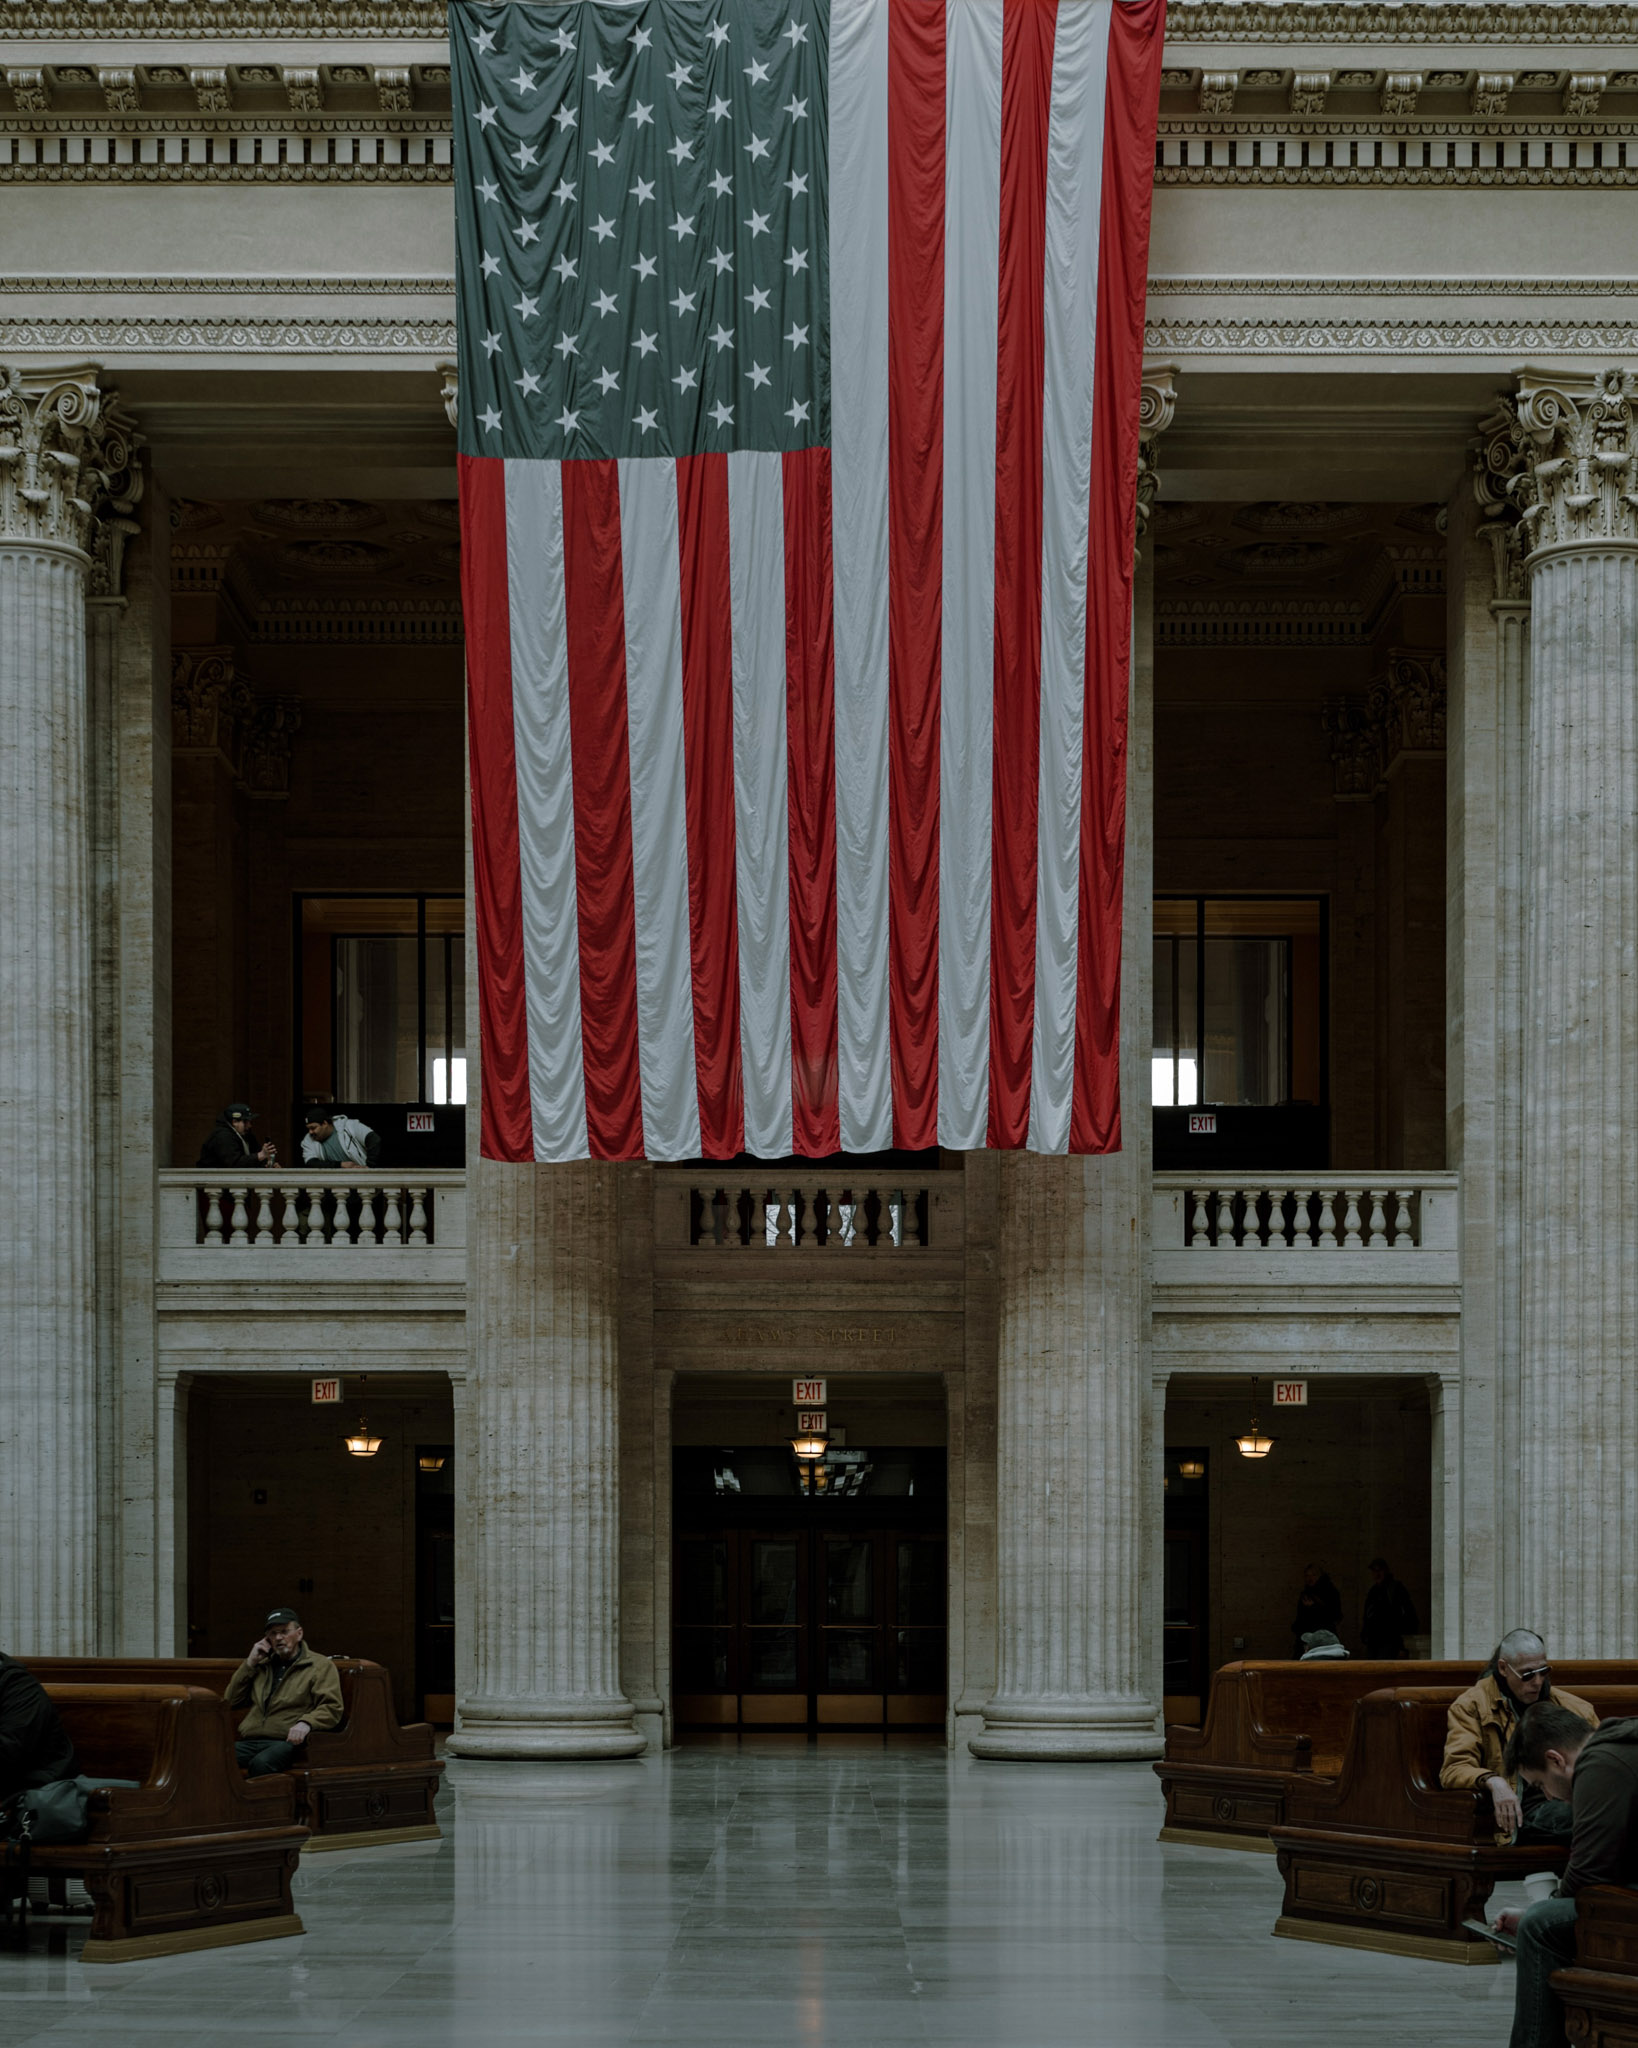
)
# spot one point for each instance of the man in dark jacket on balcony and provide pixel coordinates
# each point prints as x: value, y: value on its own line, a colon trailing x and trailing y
x: 1596, y: 1770
x: 230, y: 1147
x: 34, y: 1744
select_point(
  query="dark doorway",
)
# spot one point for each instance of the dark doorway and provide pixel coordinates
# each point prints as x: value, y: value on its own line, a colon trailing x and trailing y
x: 1184, y: 1597
x: 794, y: 1610
x: 435, y: 1582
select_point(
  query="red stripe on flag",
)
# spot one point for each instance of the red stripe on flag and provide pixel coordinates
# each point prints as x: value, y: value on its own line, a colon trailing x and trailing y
x: 810, y: 743
x: 708, y: 755
x: 596, y: 646
x: 507, y: 1130
x: 1026, y: 119
x: 915, y: 432
x: 1130, y: 113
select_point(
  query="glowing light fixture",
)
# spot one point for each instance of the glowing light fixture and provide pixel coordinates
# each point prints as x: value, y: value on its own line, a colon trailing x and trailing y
x: 1254, y: 1443
x: 809, y: 1449
x: 1191, y: 1468
x: 430, y: 1464
x: 362, y: 1444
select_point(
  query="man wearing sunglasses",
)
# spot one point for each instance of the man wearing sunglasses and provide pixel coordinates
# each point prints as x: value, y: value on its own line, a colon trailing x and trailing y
x: 1481, y: 1724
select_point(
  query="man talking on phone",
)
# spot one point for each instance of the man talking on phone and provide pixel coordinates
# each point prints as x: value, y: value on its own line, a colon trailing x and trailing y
x: 290, y: 1690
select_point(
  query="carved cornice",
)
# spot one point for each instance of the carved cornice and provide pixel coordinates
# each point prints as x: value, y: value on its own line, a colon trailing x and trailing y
x: 202, y: 20
x: 267, y: 287
x: 1388, y: 339
x: 1394, y: 21
x: 234, y: 337
x: 1523, y: 154
x: 1209, y: 622
x: 1556, y: 289
x: 69, y: 473
x: 362, y: 622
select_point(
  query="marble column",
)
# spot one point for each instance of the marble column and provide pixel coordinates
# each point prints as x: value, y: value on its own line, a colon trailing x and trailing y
x: 541, y: 1469
x: 63, y: 451
x: 1577, y: 1493
x: 1075, y: 1518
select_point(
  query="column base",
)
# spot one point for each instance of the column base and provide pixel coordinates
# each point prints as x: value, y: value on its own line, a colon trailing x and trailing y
x: 536, y: 1731
x: 1069, y: 1730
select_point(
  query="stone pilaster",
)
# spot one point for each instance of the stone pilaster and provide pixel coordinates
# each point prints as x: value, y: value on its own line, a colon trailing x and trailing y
x: 66, y: 457
x: 1577, y: 485
x: 541, y: 1470
x: 1077, y: 1528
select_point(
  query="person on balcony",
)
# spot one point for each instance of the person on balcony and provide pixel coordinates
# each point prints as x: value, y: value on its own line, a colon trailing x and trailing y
x: 333, y: 1140
x: 1482, y: 1722
x: 1593, y: 1772
x: 230, y: 1147
x: 289, y: 1690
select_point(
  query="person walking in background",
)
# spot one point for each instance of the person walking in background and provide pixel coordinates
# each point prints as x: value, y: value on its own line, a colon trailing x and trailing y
x: 1319, y: 1606
x: 1389, y: 1615
x: 231, y: 1146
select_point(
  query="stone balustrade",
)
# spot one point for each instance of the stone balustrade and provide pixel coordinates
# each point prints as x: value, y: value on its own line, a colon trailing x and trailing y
x: 305, y: 1211
x: 1358, y: 1212
x: 813, y: 1215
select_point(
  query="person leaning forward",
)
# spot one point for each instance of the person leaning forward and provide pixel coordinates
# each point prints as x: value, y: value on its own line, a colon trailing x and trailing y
x: 1595, y: 1772
x: 1480, y: 1725
x: 291, y: 1692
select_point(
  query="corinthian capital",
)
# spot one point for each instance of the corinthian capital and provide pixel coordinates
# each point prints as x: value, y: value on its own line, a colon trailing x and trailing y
x: 1578, y: 438
x: 68, y: 466
x: 1156, y: 408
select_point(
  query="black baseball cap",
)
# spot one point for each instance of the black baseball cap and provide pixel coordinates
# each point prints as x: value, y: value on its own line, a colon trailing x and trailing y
x: 280, y: 1616
x: 239, y: 1109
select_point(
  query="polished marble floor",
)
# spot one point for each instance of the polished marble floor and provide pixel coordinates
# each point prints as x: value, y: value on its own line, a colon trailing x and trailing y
x: 786, y: 1894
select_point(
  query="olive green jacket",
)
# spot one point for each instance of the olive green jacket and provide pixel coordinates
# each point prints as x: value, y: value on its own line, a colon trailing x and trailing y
x: 308, y: 1689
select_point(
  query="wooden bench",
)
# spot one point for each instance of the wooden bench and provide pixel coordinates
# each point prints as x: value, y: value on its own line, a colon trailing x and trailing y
x: 367, y: 1782
x: 1271, y: 1724
x: 195, y: 1855
x: 1600, y: 1990
x: 1267, y: 1722
x: 1382, y: 1857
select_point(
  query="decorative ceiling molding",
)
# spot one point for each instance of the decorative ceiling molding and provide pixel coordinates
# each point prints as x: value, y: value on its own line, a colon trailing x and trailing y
x: 1190, y: 156
x: 1393, y: 21
x: 1374, y: 287
x: 427, y: 622
x: 202, y: 20
x: 1391, y: 340
x: 233, y: 337
x: 1271, y: 622
x: 243, y: 287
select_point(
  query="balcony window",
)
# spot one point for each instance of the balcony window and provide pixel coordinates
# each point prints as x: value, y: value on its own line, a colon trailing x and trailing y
x: 1239, y: 1026
x: 381, y: 1012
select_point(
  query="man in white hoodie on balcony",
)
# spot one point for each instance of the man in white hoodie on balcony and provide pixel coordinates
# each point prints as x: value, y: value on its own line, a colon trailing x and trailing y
x: 333, y: 1140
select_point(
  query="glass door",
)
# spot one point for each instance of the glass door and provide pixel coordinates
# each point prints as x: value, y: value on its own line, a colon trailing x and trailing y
x: 774, y: 1683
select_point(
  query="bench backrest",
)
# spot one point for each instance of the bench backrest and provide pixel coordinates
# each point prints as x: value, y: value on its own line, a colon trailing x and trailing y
x: 175, y: 1740
x: 1278, y: 1715
x: 1389, y: 1780
x: 370, y: 1728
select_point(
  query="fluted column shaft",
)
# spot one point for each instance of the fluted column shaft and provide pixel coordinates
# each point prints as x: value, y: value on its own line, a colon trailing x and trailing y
x: 48, y: 1140
x: 1578, y: 1412
x: 1075, y: 1509
x: 542, y: 1471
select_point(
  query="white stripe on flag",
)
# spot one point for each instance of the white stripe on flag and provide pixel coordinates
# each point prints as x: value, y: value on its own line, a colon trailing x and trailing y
x: 537, y: 599
x: 756, y: 570
x: 1080, y: 62
x: 651, y: 577
x: 858, y: 481
x: 972, y: 262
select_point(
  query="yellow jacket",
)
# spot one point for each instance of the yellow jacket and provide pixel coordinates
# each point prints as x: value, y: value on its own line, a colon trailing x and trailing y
x: 1477, y: 1730
x: 308, y: 1689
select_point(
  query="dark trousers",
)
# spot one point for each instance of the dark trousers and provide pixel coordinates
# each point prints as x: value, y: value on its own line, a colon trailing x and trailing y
x: 1546, y: 1943
x: 261, y: 1755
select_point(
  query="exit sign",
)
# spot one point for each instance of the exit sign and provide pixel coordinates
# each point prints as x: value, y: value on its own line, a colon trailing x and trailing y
x: 811, y: 1422
x: 1290, y: 1393
x: 1203, y: 1123
x: 419, y: 1120
x: 326, y: 1390
x: 808, y: 1393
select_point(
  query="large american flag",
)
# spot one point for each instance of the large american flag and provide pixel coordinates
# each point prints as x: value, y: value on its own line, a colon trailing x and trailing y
x: 800, y: 350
